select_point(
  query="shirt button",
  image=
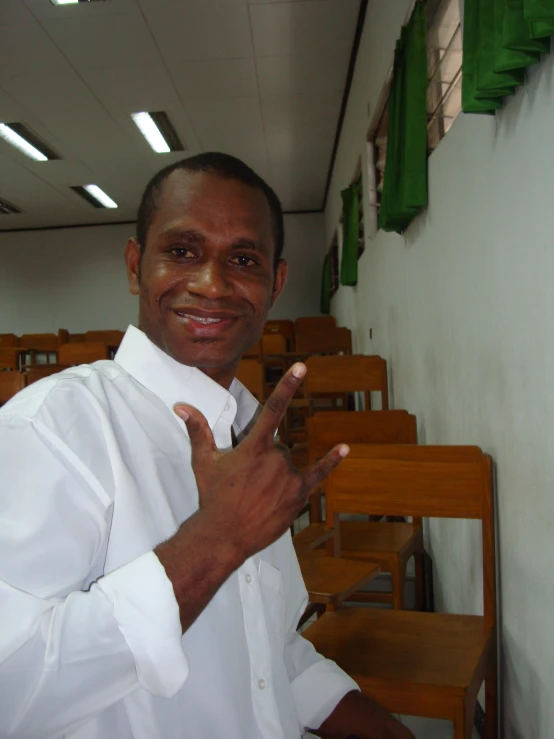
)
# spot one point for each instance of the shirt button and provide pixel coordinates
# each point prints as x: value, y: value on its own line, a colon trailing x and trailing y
x: 248, y: 578
x: 261, y: 683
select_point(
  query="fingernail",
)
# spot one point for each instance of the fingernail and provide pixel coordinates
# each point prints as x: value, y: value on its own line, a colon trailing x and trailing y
x: 298, y: 370
x: 344, y: 449
x: 181, y: 412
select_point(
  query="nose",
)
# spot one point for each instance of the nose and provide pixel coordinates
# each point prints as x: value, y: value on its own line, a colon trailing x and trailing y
x: 210, y: 281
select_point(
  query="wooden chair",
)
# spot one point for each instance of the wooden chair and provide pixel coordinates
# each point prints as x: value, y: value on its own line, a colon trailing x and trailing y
x: 110, y: 338
x: 251, y: 373
x: 63, y: 336
x: 10, y: 358
x: 38, y: 371
x: 421, y: 664
x: 10, y: 384
x: 282, y: 328
x: 40, y: 344
x: 82, y: 353
x: 348, y: 374
x: 8, y: 340
x: 390, y: 544
x: 311, y: 324
x: 333, y: 341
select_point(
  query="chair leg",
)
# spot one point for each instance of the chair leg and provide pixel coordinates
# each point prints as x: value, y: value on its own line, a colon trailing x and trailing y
x: 315, y: 509
x: 420, y: 604
x: 398, y: 575
x: 491, y: 697
x: 463, y: 727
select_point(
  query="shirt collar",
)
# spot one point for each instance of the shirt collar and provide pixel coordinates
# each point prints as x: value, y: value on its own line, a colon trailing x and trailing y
x: 175, y: 383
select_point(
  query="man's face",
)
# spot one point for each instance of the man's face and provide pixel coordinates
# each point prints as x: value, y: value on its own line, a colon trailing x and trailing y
x: 206, y: 279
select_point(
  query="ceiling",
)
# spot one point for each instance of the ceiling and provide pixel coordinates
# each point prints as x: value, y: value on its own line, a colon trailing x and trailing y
x: 260, y: 79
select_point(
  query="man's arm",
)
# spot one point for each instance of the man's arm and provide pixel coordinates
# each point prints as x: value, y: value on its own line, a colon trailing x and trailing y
x: 358, y: 715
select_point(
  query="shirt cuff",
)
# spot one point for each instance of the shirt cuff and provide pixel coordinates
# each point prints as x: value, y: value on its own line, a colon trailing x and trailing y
x: 318, y: 690
x: 147, y: 615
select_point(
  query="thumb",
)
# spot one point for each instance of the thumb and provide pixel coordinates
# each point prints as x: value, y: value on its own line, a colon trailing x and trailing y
x: 201, y: 438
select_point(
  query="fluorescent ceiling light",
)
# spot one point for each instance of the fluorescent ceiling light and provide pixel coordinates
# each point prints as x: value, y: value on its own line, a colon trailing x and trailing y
x: 7, y: 209
x: 94, y: 196
x: 64, y: 2
x: 158, y: 130
x: 150, y: 132
x: 100, y: 195
x: 13, y: 138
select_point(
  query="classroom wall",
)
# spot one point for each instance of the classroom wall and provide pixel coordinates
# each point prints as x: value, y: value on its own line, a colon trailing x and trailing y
x: 75, y: 278
x: 462, y: 308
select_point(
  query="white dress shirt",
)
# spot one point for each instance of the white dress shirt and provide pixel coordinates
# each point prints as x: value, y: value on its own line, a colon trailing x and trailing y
x: 95, y: 472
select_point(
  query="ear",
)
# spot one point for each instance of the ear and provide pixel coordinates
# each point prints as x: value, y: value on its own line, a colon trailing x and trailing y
x: 281, y: 275
x: 132, y: 260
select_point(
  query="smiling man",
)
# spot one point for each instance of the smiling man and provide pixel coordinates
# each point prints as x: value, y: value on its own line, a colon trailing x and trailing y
x: 148, y: 583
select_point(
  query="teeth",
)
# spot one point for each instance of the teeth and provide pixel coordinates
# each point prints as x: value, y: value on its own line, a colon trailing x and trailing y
x: 202, y: 320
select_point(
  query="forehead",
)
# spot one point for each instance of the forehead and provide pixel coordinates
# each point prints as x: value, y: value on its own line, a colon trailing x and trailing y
x: 218, y: 205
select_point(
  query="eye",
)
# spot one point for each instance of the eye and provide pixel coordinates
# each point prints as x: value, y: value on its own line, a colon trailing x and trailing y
x: 182, y: 252
x: 243, y: 261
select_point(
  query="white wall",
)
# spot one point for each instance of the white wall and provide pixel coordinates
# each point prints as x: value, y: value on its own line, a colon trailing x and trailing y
x: 462, y: 308
x: 75, y: 278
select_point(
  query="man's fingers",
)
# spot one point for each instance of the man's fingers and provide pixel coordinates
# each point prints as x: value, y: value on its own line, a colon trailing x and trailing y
x: 276, y: 405
x: 201, y: 438
x: 316, y: 474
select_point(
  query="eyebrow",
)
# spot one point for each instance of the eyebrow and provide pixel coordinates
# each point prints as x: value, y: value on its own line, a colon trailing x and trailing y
x: 184, y: 234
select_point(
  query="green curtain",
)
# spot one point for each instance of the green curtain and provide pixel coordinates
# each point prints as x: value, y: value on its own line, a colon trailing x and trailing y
x: 350, y: 230
x: 405, y: 182
x: 325, y: 303
x: 540, y: 13
x: 501, y: 38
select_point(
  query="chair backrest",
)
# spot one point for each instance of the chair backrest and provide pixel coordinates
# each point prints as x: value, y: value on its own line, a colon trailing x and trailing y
x: 274, y: 344
x: 309, y: 324
x: 251, y: 373
x: 82, y: 353
x: 10, y: 384
x: 326, y: 429
x: 77, y: 338
x: 348, y: 374
x: 39, y: 342
x: 332, y: 341
x: 411, y: 480
x: 9, y: 358
x: 38, y: 371
x: 284, y: 328
x: 110, y: 338
x: 63, y: 336
x: 7, y: 340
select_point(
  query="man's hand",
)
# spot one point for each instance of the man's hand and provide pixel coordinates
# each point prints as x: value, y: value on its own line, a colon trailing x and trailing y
x: 252, y: 494
x: 358, y: 715
x: 248, y: 498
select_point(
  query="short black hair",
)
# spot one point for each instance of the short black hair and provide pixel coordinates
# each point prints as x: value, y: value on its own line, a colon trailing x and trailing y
x: 220, y: 164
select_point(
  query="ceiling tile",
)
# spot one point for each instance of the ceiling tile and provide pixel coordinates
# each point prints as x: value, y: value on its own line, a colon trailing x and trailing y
x: 104, y: 42
x: 26, y: 48
x: 308, y: 73
x: 231, y: 126
x: 45, y: 10
x: 14, y: 11
x: 132, y: 89
x: 300, y: 123
x: 216, y: 78
x: 213, y: 29
x: 310, y: 27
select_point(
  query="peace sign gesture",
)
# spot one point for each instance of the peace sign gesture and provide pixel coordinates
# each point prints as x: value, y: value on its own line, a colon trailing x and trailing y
x: 252, y: 494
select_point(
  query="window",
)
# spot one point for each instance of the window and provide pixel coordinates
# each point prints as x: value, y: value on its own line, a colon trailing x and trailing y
x: 444, y: 92
x: 334, y: 252
x: 444, y: 50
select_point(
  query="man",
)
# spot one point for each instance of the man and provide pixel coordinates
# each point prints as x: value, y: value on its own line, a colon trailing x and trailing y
x: 148, y: 585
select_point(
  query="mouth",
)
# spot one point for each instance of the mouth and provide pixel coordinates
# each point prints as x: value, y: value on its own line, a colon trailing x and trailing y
x: 203, y: 323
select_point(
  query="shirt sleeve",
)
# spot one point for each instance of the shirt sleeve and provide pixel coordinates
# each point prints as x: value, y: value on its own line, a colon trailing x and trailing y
x: 71, y: 646
x: 317, y: 684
